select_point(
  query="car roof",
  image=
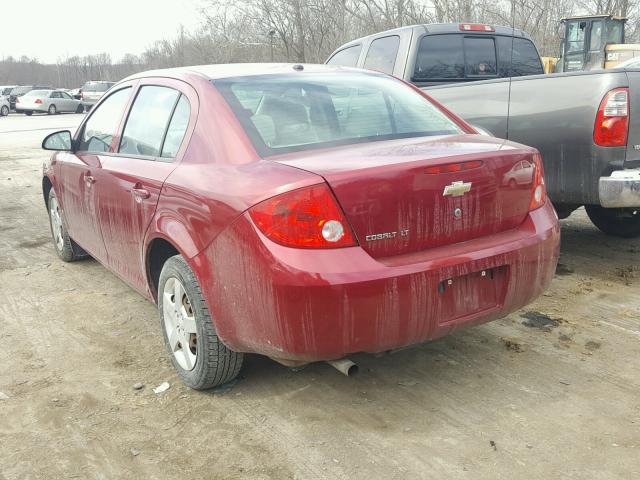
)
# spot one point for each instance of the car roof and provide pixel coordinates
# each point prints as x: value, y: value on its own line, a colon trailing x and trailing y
x: 229, y: 70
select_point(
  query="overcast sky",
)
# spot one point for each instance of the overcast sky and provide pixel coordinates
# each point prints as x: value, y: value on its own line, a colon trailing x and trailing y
x: 49, y: 30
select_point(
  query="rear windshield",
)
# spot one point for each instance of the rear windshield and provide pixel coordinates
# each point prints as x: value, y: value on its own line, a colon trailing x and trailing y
x: 288, y: 113
x: 454, y: 57
x: 97, y: 87
x: 37, y: 93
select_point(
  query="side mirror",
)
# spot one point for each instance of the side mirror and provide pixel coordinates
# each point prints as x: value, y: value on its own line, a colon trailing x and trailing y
x: 58, y: 141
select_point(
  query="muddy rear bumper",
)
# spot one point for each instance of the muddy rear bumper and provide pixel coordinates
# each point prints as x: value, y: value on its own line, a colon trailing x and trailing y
x: 621, y: 189
x: 308, y: 305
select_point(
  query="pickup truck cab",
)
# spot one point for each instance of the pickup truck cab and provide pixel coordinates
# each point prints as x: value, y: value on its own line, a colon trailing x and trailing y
x: 581, y: 122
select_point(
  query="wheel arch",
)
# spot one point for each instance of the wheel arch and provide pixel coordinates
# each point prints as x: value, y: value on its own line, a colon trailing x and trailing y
x: 47, y: 185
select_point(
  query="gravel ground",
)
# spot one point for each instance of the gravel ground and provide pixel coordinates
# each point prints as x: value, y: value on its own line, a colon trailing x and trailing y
x: 552, y: 391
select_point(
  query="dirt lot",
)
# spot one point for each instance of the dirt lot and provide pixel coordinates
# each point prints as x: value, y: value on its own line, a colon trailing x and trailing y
x: 555, y: 395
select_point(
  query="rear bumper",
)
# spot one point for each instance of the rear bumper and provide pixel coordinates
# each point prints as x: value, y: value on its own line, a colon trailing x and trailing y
x: 30, y: 108
x: 309, y: 305
x: 621, y: 189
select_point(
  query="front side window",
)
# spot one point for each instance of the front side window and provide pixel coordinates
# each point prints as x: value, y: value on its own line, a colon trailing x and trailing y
x: 347, y: 57
x: 65, y: 95
x: 382, y: 54
x: 282, y: 113
x: 102, y: 125
x: 480, y: 57
x: 148, y: 120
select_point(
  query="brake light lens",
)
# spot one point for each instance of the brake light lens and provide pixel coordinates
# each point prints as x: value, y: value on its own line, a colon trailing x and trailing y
x: 38, y: 101
x: 305, y: 218
x: 612, y: 120
x: 539, y: 191
x: 476, y: 27
x: 453, y: 167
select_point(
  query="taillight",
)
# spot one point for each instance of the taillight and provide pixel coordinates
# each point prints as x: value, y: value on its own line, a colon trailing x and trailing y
x: 305, y: 218
x: 539, y: 191
x: 38, y: 101
x: 453, y: 167
x: 612, y: 120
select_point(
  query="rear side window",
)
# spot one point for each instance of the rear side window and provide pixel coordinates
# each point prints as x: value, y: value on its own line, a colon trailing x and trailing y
x: 526, y: 60
x: 103, y: 123
x: 382, y: 54
x: 148, y: 119
x: 347, y: 57
x: 480, y: 57
x: 177, y: 128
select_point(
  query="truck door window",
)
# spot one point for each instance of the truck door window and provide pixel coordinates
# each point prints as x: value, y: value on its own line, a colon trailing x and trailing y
x: 615, y: 32
x: 347, y: 57
x: 382, y: 54
x: 480, y: 57
x: 575, y: 36
x: 595, y: 42
x: 440, y: 57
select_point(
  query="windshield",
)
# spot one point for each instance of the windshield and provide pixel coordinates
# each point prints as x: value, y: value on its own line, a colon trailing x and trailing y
x: 97, y: 87
x: 287, y: 113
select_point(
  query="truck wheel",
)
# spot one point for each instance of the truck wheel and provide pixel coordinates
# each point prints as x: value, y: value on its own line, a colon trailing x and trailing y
x: 66, y: 248
x: 197, y: 354
x: 621, y: 222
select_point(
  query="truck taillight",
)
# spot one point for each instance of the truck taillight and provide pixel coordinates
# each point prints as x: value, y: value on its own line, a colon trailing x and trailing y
x: 476, y: 27
x: 305, y: 218
x: 539, y: 191
x: 612, y: 119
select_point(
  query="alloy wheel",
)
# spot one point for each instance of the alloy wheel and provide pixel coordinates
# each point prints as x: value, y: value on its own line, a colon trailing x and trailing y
x: 180, y: 323
x: 56, y: 223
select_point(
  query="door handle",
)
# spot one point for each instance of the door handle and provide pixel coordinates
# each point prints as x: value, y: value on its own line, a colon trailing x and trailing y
x: 140, y: 193
x: 89, y: 180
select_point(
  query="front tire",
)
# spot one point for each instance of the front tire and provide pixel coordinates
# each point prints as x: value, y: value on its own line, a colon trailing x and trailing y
x: 197, y: 353
x: 620, y: 222
x: 66, y: 248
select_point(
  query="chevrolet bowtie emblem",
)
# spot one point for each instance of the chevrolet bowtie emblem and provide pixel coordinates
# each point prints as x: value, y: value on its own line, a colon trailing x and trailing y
x: 457, y: 189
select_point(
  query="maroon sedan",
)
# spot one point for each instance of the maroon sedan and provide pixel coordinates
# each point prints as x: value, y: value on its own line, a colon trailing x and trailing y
x: 300, y: 212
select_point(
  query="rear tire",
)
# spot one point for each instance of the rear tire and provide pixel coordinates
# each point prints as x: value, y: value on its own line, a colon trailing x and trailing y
x: 28, y: 114
x: 52, y: 110
x: 66, y: 248
x: 620, y: 222
x: 4, y: 111
x: 197, y: 353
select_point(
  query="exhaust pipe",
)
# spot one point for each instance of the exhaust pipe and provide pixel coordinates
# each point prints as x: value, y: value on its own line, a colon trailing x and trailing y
x: 344, y: 366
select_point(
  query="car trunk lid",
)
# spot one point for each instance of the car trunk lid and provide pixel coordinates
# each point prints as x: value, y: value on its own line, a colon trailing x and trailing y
x: 402, y: 196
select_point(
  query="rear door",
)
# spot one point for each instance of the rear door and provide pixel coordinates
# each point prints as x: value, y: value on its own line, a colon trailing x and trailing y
x: 130, y: 180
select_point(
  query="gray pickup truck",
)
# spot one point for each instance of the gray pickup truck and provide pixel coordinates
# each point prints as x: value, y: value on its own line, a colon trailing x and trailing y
x: 583, y: 123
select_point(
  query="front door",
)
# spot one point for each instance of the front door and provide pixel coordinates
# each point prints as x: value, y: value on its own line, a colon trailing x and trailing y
x: 130, y: 180
x: 77, y: 172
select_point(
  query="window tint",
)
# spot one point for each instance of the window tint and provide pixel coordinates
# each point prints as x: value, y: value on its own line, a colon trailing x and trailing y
x: 440, y: 57
x: 148, y: 121
x: 526, y: 60
x: 103, y: 123
x: 480, y: 57
x: 177, y: 128
x: 382, y: 54
x: 286, y: 113
x: 347, y: 57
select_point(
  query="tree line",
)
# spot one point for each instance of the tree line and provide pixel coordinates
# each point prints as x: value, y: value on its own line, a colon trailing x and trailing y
x: 307, y: 31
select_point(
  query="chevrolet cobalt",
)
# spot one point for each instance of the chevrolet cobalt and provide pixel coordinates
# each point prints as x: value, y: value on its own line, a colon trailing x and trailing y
x: 297, y: 211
